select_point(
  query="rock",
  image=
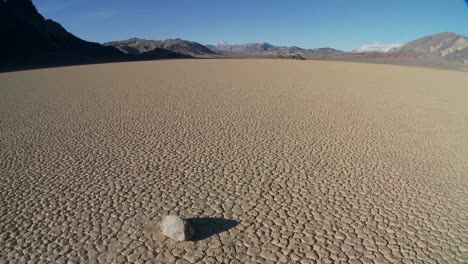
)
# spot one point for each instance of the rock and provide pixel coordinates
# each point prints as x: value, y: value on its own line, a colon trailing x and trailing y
x: 292, y: 57
x: 176, y: 228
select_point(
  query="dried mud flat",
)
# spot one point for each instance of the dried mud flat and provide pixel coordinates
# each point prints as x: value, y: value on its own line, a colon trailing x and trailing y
x: 285, y: 161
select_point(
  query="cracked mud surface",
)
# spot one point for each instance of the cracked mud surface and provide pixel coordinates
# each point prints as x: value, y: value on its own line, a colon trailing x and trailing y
x: 309, y: 161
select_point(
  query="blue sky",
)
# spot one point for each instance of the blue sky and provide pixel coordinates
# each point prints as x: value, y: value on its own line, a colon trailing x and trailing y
x: 340, y: 24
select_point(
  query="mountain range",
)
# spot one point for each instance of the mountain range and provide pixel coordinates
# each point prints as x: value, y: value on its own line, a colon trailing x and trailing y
x: 267, y: 49
x: 29, y: 40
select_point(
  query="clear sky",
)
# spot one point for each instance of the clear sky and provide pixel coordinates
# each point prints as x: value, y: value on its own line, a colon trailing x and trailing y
x: 341, y: 24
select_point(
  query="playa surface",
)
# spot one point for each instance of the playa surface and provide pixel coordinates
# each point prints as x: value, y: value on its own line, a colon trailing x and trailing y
x: 281, y: 160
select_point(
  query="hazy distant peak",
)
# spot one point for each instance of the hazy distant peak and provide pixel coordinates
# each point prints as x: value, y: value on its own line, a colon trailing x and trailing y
x: 377, y: 48
x: 266, y: 45
x: 223, y: 43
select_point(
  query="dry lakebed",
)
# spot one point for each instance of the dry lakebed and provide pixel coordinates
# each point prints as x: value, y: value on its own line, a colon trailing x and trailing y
x: 269, y: 160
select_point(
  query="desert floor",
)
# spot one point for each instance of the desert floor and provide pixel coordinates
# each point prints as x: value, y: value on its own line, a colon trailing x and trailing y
x: 273, y: 160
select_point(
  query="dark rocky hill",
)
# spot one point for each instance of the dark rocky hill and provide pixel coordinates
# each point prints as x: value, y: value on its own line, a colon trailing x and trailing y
x: 28, y: 40
x: 137, y: 46
x: 26, y: 33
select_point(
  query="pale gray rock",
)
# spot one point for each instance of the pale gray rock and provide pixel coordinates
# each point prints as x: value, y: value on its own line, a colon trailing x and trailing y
x: 176, y: 228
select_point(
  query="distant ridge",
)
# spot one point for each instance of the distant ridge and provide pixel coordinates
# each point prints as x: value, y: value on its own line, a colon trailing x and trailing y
x: 137, y: 46
x: 267, y: 49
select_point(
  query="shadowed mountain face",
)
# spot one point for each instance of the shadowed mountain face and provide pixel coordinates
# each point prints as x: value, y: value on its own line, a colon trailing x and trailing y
x: 25, y: 33
x: 449, y: 46
x: 136, y: 46
x: 159, y: 53
x: 28, y: 40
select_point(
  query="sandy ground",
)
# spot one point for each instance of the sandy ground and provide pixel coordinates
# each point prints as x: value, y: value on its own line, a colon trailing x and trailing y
x: 282, y: 160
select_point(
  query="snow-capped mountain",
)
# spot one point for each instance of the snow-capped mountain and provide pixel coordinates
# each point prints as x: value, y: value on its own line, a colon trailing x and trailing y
x: 379, y: 48
x: 223, y: 43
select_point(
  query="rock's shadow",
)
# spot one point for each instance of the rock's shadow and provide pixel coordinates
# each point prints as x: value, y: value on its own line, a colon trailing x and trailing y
x: 206, y: 227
